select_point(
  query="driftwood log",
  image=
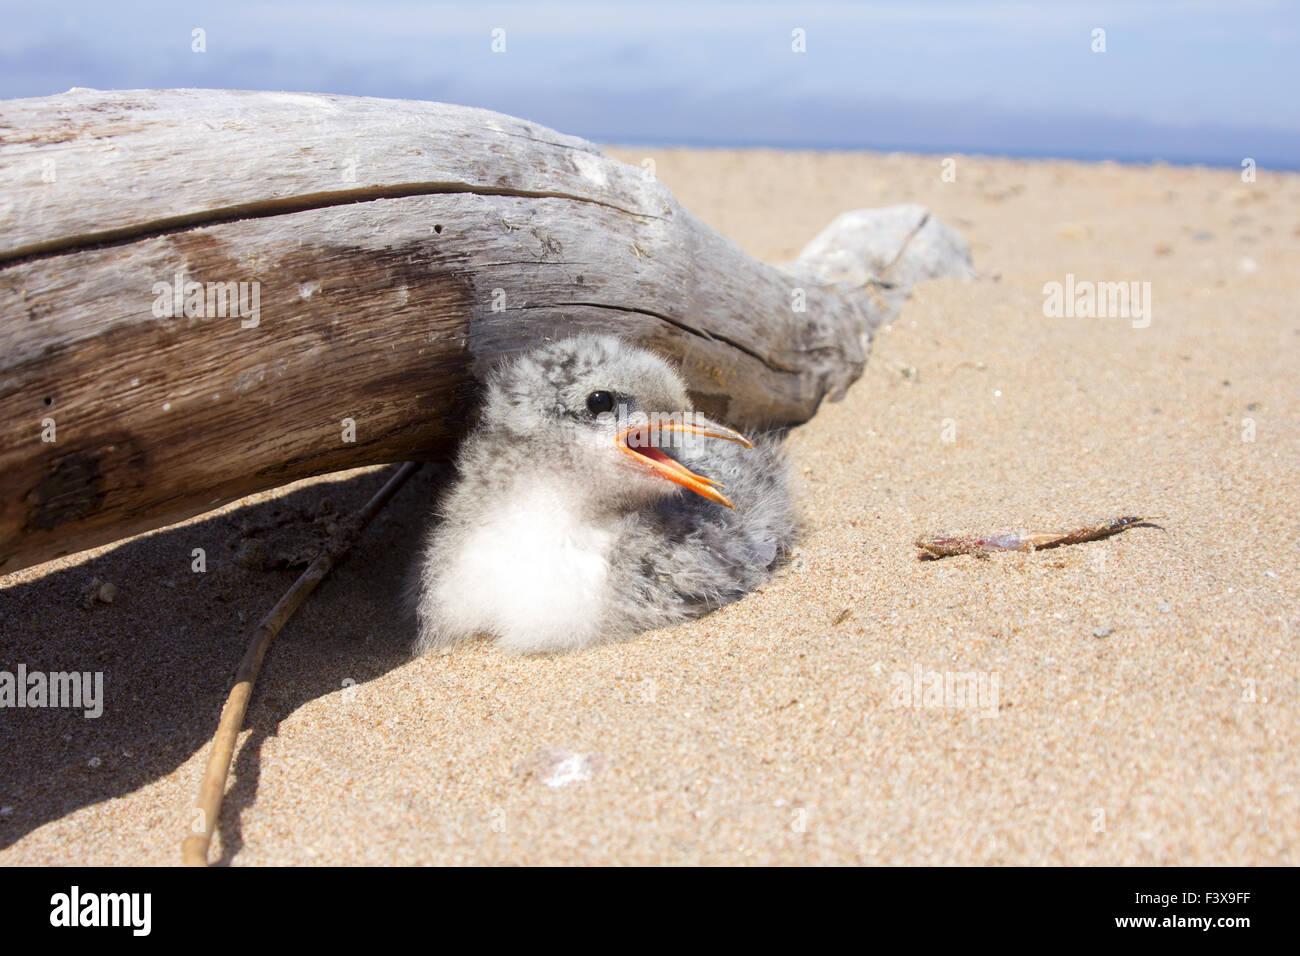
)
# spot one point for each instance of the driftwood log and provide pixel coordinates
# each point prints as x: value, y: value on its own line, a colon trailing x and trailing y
x: 204, y: 294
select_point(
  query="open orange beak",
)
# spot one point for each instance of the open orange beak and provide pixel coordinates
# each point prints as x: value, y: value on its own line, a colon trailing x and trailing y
x: 648, y: 454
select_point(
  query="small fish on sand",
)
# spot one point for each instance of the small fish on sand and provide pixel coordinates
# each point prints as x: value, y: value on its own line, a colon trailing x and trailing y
x: 936, y: 546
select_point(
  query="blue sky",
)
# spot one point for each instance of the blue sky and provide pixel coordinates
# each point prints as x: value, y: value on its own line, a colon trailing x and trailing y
x: 1189, y: 81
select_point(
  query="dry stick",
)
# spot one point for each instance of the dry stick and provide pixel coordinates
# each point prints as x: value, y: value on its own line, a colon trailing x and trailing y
x: 935, y: 546
x: 194, y: 849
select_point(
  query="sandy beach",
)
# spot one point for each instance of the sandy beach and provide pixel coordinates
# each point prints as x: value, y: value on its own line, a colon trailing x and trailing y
x: 1138, y: 697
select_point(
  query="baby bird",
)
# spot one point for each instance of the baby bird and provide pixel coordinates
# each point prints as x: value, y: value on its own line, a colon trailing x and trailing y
x: 590, y: 507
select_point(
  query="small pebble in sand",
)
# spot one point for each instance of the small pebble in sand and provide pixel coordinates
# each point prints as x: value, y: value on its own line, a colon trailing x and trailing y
x: 573, y: 769
x: 97, y: 592
x: 559, y: 767
x: 93, y: 762
x: 1103, y: 631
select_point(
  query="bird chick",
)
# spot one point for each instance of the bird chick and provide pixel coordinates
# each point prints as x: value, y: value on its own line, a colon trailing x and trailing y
x: 594, y: 503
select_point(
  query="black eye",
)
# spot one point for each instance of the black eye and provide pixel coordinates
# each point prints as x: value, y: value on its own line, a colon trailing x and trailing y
x: 598, y: 402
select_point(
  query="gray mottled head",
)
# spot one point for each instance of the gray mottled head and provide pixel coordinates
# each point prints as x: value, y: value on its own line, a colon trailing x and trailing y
x: 567, y: 407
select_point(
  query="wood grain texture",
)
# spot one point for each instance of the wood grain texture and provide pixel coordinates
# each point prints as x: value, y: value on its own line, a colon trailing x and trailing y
x: 397, y: 250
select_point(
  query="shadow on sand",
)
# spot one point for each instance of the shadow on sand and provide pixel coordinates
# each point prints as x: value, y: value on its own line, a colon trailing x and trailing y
x: 170, y: 641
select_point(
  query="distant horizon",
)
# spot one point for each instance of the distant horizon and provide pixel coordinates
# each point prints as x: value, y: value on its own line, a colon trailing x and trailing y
x: 1046, y: 156
x: 1265, y: 159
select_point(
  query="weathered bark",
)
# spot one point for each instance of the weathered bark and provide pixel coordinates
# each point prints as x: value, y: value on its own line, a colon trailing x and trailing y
x: 398, y: 249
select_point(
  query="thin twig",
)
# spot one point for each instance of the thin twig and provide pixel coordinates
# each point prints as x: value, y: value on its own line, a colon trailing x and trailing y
x: 936, y: 546
x: 194, y: 849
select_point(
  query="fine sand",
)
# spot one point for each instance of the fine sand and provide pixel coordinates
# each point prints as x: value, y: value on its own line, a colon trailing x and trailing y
x: 1140, y: 693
